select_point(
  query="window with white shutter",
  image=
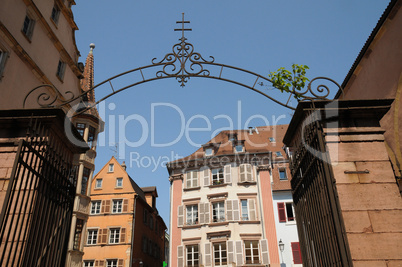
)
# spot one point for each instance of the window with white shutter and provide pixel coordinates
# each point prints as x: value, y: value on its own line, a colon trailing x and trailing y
x: 220, y: 254
x: 239, y: 252
x: 206, y: 177
x: 246, y: 173
x: 191, y: 179
x: 252, y: 253
x: 192, y: 256
x: 208, y: 255
x: 180, y: 216
x: 180, y: 256
x: 228, y: 175
x: 264, y: 251
x: 217, y: 176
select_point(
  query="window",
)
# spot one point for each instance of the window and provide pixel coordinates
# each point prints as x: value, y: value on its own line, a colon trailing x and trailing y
x: 80, y: 128
x: 84, y: 182
x: 98, y: 183
x: 145, y: 216
x: 278, y: 154
x: 114, y: 237
x: 218, y: 211
x: 208, y: 152
x: 192, y: 179
x: 28, y: 26
x: 117, y: 206
x: 252, y: 253
x: 111, y: 167
x: 285, y: 211
x: 282, y: 174
x: 89, y: 263
x: 61, y: 67
x: 151, y: 222
x: 92, y: 237
x: 55, y: 14
x: 3, y: 58
x: 297, y: 258
x: 111, y: 263
x: 78, y: 233
x: 217, y: 176
x: 244, y: 210
x: 95, y: 207
x: 91, y: 136
x: 119, y: 182
x: 192, y: 214
x: 192, y: 256
x: 220, y: 257
x: 246, y: 173
x: 271, y: 139
x: 239, y: 148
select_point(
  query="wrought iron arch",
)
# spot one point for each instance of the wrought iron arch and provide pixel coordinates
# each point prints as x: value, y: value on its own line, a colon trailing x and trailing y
x: 184, y: 63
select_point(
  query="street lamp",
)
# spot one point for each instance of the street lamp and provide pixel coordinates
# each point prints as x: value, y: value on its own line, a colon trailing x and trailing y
x: 281, y: 245
x: 281, y: 248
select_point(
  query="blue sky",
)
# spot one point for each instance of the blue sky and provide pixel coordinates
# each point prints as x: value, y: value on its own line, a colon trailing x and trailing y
x: 148, y: 122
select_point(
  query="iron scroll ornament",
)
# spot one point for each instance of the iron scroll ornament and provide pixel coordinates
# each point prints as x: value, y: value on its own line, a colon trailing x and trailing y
x: 183, y: 63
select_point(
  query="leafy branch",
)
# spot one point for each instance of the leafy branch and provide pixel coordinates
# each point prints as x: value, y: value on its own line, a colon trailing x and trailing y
x: 291, y: 82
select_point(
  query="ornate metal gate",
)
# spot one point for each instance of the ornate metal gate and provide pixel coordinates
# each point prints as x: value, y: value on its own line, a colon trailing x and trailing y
x: 36, y: 216
x: 319, y: 221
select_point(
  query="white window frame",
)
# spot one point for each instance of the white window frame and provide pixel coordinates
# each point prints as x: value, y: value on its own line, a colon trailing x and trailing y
x: 218, y: 176
x: 117, y: 206
x: 220, y: 251
x: 237, y: 150
x: 90, y: 263
x: 247, y: 210
x: 192, y: 214
x: 92, y: 238
x: 193, y: 176
x: 96, y: 207
x: 209, y: 151
x: 218, y: 211
x: 251, y: 248
x: 98, y: 183
x: 112, y: 262
x: 119, y: 182
x: 192, y: 250
x: 111, y: 167
x: 114, y: 235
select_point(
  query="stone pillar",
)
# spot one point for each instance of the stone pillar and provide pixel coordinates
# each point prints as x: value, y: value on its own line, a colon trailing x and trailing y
x: 365, y: 188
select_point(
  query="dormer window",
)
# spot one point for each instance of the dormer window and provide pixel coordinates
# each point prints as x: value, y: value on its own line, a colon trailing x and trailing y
x: 272, y: 140
x: 208, y: 151
x: 239, y: 148
x: 111, y: 168
x: 278, y: 154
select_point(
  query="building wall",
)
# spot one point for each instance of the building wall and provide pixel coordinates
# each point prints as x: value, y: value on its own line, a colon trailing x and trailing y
x: 36, y: 59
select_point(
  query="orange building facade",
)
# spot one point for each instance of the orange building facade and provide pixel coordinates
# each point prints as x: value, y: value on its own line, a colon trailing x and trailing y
x: 124, y: 228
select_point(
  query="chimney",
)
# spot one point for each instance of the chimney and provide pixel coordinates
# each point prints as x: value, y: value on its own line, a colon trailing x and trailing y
x: 124, y: 165
x: 250, y: 130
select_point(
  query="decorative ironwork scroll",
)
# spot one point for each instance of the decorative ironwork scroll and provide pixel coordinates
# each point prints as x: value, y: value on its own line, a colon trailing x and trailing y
x: 183, y: 63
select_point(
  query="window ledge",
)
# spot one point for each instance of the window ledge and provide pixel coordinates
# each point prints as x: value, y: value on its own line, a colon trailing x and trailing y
x: 249, y: 222
x: 192, y: 188
x: 218, y: 223
x: 291, y: 223
x: 247, y: 183
x: 217, y: 185
x: 191, y: 226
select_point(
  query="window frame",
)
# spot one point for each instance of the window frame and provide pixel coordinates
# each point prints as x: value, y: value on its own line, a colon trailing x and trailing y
x: 272, y: 139
x: 117, y: 182
x: 221, y: 262
x: 282, y: 170
x: 285, y: 211
x: 252, y: 250
x: 96, y: 183
x: 78, y: 234
x: 55, y: 15
x: 61, y: 69
x: 194, y: 218
x: 247, y: 209
x: 28, y: 27
x: 239, y: 146
x: 194, y: 261
x: 194, y: 183
x: 92, y: 237
x: 278, y: 154
x: 218, y: 176
x: 112, y: 262
x: 89, y: 263
x: 110, y: 167
x: 117, y: 206
x: 3, y: 59
x: 114, y: 235
x: 95, y: 208
x: 209, y: 151
x: 217, y: 207
x: 85, y: 174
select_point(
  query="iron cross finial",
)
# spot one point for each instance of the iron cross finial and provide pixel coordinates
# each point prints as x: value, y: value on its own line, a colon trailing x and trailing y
x: 182, y: 26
